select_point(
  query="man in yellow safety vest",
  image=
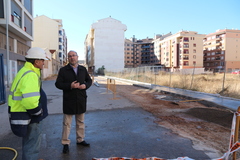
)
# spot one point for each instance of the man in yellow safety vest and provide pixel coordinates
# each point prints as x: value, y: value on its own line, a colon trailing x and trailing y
x: 28, y: 103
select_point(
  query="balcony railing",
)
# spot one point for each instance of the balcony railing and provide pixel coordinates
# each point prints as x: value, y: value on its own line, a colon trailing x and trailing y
x: 145, y: 47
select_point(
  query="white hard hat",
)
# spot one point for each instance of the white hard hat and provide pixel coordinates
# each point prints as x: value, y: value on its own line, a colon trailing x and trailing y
x: 36, y: 53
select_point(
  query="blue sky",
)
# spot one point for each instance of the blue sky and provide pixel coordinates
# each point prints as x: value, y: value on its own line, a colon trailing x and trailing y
x: 143, y: 18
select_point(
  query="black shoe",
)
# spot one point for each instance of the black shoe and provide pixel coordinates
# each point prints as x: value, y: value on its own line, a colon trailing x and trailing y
x: 83, y: 143
x: 65, y: 148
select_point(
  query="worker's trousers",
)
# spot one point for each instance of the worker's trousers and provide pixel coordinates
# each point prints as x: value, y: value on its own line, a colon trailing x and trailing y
x: 31, y: 142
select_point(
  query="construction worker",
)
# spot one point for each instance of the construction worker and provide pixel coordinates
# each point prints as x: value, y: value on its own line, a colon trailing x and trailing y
x: 28, y: 103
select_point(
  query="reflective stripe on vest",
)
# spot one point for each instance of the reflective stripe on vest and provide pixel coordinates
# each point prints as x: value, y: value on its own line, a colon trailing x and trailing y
x: 39, y: 112
x: 27, y: 95
x: 20, y: 122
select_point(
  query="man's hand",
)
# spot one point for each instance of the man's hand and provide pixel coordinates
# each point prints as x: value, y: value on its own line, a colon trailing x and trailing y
x: 82, y: 86
x: 76, y: 84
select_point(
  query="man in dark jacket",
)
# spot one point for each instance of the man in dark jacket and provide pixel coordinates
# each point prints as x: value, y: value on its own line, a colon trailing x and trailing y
x: 74, y: 80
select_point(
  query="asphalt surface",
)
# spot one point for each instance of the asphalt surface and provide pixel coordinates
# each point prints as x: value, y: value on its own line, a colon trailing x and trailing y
x: 114, y: 128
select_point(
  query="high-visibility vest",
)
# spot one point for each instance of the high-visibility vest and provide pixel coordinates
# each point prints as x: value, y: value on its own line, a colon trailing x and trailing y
x: 24, y: 95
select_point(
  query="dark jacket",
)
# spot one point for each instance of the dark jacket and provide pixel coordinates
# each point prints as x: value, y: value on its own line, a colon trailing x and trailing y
x: 74, y: 100
x: 43, y: 104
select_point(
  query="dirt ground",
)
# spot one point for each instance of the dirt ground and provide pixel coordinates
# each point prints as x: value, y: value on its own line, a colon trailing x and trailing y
x: 207, y: 126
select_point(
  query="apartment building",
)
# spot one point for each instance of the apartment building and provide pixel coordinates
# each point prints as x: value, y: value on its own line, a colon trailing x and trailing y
x: 50, y: 35
x: 222, y: 50
x: 181, y: 51
x: 16, y: 34
x: 139, y: 53
x: 131, y: 58
x: 104, y: 45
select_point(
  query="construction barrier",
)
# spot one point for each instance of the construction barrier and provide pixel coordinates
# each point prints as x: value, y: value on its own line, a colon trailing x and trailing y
x: 111, y: 85
x: 234, y: 145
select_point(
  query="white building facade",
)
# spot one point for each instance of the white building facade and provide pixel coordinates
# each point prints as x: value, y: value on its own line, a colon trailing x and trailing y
x: 104, y: 45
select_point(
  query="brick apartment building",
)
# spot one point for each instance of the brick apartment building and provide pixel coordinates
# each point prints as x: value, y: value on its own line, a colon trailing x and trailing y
x: 221, y: 50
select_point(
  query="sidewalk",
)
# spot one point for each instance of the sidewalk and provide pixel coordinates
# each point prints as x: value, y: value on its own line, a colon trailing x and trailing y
x: 215, y: 99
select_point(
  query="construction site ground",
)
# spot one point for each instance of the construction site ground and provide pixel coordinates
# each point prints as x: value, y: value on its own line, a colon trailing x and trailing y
x: 207, y: 126
x: 135, y: 122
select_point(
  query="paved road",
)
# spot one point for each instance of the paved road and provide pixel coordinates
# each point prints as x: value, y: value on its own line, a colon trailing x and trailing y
x: 114, y: 128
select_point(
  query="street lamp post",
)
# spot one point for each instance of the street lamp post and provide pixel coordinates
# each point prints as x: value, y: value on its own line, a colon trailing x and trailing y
x: 7, y: 42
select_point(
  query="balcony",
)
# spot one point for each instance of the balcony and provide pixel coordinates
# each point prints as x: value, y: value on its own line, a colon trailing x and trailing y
x: 145, y: 46
x: 218, y: 38
x: 144, y: 51
x: 16, y: 20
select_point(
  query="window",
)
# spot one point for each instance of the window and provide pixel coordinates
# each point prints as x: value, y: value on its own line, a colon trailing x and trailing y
x: 16, y: 18
x: 185, y: 51
x: 28, y: 5
x: 194, y: 56
x: 185, y: 57
x: 185, y: 39
x: 1, y: 9
x: 60, y: 32
x: 185, y: 63
x: 185, y: 45
x: 194, y: 45
x: 194, y: 51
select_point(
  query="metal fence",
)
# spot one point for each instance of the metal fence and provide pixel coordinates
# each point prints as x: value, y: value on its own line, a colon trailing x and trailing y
x: 196, y: 79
